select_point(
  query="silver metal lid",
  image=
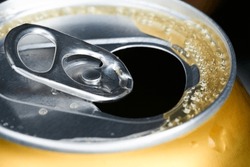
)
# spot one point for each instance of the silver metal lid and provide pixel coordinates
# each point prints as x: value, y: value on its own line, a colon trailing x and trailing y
x: 92, y: 76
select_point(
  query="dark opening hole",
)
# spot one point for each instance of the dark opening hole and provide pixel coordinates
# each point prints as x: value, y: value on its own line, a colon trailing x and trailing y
x: 159, y: 83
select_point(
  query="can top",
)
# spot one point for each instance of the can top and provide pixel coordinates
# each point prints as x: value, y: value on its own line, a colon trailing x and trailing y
x: 93, y: 76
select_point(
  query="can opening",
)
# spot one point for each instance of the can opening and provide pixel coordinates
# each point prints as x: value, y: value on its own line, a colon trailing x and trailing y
x: 159, y: 83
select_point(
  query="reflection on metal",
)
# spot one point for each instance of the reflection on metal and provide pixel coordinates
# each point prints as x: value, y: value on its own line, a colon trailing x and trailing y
x: 96, y: 74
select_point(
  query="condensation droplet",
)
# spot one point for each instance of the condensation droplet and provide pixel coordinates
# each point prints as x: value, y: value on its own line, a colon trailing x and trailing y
x: 74, y: 106
x: 216, y: 139
x: 12, y: 127
x: 54, y: 92
x: 43, y: 111
x: 194, y: 144
x: 5, y: 124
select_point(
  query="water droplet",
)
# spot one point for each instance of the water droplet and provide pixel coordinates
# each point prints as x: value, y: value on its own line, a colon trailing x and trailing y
x: 74, y: 106
x: 112, y: 134
x: 43, y: 111
x: 5, y: 124
x: 216, y: 139
x: 12, y: 127
x: 54, y: 92
x: 194, y: 144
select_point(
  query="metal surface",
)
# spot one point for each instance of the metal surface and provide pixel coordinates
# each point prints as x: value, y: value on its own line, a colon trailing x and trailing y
x: 33, y: 111
x: 102, y: 78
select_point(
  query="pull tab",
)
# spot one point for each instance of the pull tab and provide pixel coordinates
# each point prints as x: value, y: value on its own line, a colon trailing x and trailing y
x: 75, y: 67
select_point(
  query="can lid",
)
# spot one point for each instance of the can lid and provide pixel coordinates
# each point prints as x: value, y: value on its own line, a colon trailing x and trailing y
x: 109, y: 76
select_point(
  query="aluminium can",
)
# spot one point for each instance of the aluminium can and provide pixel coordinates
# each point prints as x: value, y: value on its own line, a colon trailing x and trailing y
x: 186, y: 107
